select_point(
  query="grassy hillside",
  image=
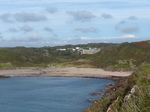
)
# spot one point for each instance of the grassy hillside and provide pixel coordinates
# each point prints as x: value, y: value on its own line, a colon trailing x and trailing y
x: 130, y: 95
x: 28, y: 57
x: 125, y: 55
x: 15, y: 57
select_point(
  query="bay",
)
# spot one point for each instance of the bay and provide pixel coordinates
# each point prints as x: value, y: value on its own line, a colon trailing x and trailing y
x: 48, y: 94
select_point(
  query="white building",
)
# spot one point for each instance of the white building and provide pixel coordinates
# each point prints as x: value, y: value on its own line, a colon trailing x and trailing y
x: 90, y: 51
x: 61, y: 49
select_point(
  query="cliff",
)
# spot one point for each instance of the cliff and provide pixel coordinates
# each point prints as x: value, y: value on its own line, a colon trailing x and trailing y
x: 130, y: 95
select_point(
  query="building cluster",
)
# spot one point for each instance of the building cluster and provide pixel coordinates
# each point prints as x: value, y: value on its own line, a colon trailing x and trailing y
x: 81, y: 50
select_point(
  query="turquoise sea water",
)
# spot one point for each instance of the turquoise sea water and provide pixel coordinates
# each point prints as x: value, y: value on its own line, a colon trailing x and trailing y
x: 48, y: 94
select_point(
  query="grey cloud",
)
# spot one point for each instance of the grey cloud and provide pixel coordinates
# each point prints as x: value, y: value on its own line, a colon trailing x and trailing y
x: 122, y: 27
x: 26, y: 28
x: 55, y: 35
x: 32, y: 37
x: 122, y: 22
x: 106, y: 16
x: 29, y: 17
x: 117, y: 27
x: 87, y: 30
x: 48, y: 29
x: 130, y: 29
x: 13, y: 30
x: 81, y: 15
x: 32, y: 40
x: 132, y: 18
x: 51, y: 10
x: 7, y: 17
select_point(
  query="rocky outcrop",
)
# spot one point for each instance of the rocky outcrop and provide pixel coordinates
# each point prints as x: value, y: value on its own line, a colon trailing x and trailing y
x: 132, y: 91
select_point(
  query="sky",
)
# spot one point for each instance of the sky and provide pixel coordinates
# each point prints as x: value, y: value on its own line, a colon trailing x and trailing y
x: 38, y: 23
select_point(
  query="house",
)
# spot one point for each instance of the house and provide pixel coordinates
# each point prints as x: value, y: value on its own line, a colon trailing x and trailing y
x: 59, y: 49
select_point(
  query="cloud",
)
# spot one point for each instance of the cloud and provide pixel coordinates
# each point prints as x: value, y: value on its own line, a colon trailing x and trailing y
x: 6, y: 17
x: 29, y: 17
x: 85, y: 40
x: 87, y: 18
x: 128, y: 36
x: 31, y: 37
x: 26, y: 28
x: 132, y: 18
x: 106, y: 16
x: 34, y: 37
x: 13, y: 30
x: 87, y: 30
x: 108, y: 38
x: 122, y: 22
x: 129, y: 29
x: 81, y: 15
x: 51, y: 10
x: 36, y: 40
x: 48, y: 29
x: 22, y: 17
x: 31, y: 40
x: 122, y: 27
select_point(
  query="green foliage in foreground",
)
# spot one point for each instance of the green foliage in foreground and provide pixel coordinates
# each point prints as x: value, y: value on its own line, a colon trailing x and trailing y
x: 139, y: 100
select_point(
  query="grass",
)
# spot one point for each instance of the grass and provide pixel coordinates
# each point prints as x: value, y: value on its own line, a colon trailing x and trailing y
x: 7, y: 65
x: 122, y: 65
x: 81, y: 63
x: 29, y: 68
x: 140, y: 101
x: 125, y: 55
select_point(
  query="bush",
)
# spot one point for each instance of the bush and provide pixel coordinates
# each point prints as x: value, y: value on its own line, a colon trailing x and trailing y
x: 6, y: 65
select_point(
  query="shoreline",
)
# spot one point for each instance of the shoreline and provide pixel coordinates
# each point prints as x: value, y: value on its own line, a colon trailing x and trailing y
x: 64, y: 72
x: 72, y: 72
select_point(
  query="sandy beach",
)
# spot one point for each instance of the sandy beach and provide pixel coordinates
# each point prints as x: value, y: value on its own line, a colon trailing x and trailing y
x: 63, y: 72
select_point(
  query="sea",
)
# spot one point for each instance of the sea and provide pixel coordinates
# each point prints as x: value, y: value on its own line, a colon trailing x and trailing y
x: 48, y: 94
